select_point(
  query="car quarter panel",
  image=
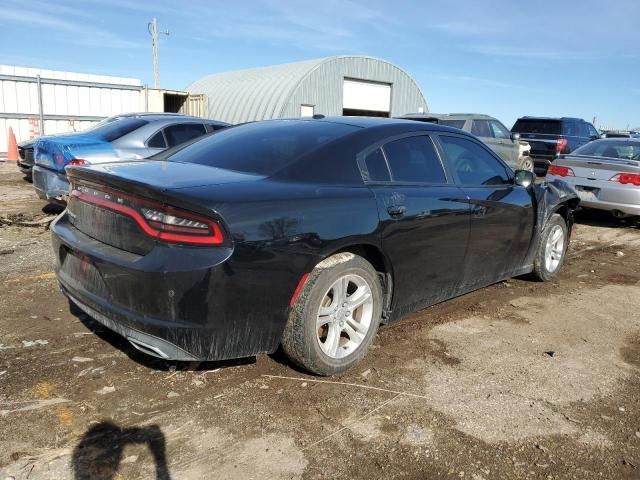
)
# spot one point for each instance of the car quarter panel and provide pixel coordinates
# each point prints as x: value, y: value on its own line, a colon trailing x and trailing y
x: 224, y: 303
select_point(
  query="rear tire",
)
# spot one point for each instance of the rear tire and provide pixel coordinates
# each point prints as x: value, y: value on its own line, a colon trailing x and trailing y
x: 336, y: 315
x: 552, y: 249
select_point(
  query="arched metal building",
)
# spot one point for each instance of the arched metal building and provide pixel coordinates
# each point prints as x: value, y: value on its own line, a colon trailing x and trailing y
x: 340, y: 85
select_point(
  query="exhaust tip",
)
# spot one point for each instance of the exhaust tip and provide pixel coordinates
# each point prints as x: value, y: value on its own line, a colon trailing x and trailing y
x: 618, y: 214
x: 148, y: 349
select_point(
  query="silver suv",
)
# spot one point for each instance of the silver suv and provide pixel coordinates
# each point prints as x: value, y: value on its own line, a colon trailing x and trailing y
x: 488, y: 129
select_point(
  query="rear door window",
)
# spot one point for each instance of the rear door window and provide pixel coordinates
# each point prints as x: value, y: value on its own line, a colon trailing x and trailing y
x: 414, y: 160
x: 499, y: 130
x: 471, y: 164
x: 377, y: 167
x: 157, y: 141
x: 481, y: 128
x: 453, y: 123
x: 183, y: 132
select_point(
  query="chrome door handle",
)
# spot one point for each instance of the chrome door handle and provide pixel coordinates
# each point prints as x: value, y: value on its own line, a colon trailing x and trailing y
x: 396, y: 211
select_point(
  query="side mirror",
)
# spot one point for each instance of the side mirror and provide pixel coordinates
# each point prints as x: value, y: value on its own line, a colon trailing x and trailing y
x: 515, y: 137
x: 524, y: 178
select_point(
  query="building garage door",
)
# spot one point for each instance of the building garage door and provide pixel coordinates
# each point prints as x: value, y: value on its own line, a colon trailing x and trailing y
x: 366, y: 98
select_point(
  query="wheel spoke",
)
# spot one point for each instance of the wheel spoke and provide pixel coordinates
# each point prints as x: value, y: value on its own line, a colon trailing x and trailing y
x: 330, y: 345
x: 322, y: 320
x: 360, y: 296
x: 355, y: 337
x: 357, y: 326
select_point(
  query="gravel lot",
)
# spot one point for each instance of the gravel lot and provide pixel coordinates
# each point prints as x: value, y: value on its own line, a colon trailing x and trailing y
x: 519, y: 380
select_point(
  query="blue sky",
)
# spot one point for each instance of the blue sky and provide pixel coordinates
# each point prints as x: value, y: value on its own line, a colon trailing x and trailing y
x: 506, y: 58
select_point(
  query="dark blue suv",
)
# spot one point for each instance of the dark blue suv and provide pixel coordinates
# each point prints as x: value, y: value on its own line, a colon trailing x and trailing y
x: 551, y: 137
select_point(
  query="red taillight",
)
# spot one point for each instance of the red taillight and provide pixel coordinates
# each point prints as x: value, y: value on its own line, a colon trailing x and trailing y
x: 561, y: 145
x: 160, y: 221
x: 626, y: 178
x: 560, y: 171
x: 78, y: 161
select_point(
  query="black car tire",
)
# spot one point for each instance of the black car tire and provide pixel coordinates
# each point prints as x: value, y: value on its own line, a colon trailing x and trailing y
x: 300, y: 338
x: 541, y: 272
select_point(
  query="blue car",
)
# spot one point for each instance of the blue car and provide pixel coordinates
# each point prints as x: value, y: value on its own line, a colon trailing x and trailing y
x: 120, y: 138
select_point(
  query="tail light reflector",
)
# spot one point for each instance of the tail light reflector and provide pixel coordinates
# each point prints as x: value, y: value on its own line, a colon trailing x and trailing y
x: 78, y: 162
x: 157, y: 220
x: 561, y: 145
x: 560, y: 171
x: 626, y: 178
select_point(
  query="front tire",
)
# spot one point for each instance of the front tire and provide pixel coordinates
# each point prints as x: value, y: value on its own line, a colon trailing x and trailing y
x: 336, y: 315
x: 552, y: 249
x: 526, y: 163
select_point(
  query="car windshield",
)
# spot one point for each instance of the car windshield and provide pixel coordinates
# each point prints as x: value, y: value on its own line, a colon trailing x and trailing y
x: 545, y: 127
x: 262, y: 148
x: 453, y: 123
x: 113, y: 130
x: 624, y: 149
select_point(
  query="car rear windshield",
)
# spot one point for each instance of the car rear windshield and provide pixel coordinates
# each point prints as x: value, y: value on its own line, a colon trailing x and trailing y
x: 262, y: 148
x: 545, y: 127
x: 116, y: 129
x: 453, y: 123
x: 624, y: 149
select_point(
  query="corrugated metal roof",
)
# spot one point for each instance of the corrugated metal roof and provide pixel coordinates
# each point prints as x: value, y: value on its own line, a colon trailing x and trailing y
x: 277, y: 91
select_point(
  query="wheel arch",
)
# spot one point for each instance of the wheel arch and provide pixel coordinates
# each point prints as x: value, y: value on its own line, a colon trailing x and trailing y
x: 381, y: 263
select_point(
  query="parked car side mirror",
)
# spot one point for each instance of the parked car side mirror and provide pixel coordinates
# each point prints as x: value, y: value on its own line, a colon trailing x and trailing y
x: 515, y: 136
x: 524, y: 178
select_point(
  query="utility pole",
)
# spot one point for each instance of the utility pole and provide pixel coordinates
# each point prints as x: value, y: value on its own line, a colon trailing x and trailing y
x: 153, y: 31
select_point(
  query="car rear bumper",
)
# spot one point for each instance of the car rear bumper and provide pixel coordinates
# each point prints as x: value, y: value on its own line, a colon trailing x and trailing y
x: 50, y: 184
x: 604, y: 194
x: 175, y: 302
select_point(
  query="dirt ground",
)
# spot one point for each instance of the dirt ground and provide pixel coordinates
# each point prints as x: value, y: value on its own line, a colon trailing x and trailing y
x: 518, y: 380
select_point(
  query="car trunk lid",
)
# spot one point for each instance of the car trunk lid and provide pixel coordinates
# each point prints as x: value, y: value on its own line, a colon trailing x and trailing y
x: 126, y: 205
x: 597, y: 168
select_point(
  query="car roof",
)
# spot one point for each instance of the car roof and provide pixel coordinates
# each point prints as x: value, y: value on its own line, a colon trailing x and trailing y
x: 380, y: 123
x: 527, y: 117
x: 449, y: 116
x: 618, y: 140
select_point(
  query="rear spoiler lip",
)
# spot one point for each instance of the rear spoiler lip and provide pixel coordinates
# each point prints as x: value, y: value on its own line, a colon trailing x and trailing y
x: 602, y: 160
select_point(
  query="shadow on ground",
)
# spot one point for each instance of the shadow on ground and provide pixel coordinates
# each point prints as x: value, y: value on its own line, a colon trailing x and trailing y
x: 601, y: 218
x: 99, y: 453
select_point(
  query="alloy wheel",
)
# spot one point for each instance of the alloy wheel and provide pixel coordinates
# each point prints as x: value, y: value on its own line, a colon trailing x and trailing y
x: 344, y: 316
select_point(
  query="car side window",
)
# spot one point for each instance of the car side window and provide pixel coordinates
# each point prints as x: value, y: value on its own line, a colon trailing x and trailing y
x: 377, y: 167
x: 157, y: 141
x: 471, y: 164
x: 570, y: 128
x: 414, y: 160
x: 583, y: 130
x: 182, y: 132
x: 592, y: 131
x: 481, y: 128
x: 499, y: 130
x: 211, y: 127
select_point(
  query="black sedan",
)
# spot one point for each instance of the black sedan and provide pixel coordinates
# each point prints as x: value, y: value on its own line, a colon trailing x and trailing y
x: 301, y: 233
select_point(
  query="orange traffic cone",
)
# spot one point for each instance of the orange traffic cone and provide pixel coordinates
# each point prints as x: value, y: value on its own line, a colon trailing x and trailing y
x: 12, y: 149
